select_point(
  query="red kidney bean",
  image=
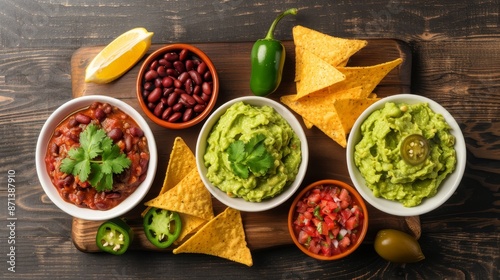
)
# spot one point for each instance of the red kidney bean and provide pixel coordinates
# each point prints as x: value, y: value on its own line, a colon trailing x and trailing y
x: 172, y: 98
x: 188, y: 114
x: 158, y: 82
x: 198, y: 99
x: 149, y: 86
x: 196, y: 90
x: 168, y: 91
x: 205, y: 97
x: 175, y: 117
x: 172, y: 72
x: 183, y: 54
x: 189, y: 99
x: 188, y: 85
x: 154, y: 65
x: 202, y: 68
x: 178, y: 107
x: 164, y: 100
x: 136, y: 131
x: 158, y: 111
x: 83, y: 119
x: 167, y: 82
x: 54, y: 149
x: 99, y: 114
x: 206, y: 87
x: 189, y: 65
x: 207, y: 76
x: 179, y: 66
x: 155, y: 95
x: 171, y: 56
x: 183, y: 77
x: 161, y: 71
x: 177, y: 83
x: 163, y: 61
x: 151, y: 75
x: 115, y: 134
x: 167, y: 113
x: 198, y: 108
x: 196, y: 77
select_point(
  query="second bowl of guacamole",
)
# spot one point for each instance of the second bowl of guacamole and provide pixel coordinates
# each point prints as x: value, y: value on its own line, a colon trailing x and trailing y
x: 406, y: 155
x: 252, y: 153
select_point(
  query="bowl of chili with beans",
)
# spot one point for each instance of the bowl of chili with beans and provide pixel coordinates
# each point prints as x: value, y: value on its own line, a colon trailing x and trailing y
x: 177, y: 86
x: 328, y: 220
x: 104, y: 140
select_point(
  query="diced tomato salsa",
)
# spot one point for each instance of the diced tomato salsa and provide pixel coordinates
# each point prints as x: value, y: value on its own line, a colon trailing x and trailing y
x: 327, y: 220
x: 125, y: 133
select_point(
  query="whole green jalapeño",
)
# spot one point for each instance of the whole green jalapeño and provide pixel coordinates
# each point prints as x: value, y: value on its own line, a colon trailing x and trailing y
x: 267, y: 60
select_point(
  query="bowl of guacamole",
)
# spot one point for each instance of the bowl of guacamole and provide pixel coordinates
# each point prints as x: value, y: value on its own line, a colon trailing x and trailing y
x: 252, y: 154
x: 406, y: 155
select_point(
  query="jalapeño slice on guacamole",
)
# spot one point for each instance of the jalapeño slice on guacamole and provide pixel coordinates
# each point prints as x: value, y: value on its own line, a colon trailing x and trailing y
x: 405, y: 152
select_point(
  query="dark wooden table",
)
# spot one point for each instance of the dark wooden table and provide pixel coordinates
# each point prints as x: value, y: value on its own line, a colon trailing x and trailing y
x: 456, y: 61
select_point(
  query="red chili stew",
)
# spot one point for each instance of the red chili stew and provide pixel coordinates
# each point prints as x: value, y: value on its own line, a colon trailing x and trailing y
x: 124, y: 132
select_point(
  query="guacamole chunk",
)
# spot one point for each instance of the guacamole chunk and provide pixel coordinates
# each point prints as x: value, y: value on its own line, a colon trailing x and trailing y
x: 266, y: 144
x: 406, y: 151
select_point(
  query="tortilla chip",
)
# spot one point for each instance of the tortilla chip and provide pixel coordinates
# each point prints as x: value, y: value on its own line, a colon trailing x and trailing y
x: 321, y: 112
x: 349, y: 110
x: 333, y: 50
x: 315, y: 74
x: 367, y: 77
x: 223, y: 236
x: 189, y: 197
x: 190, y: 224
x: 181, y: 162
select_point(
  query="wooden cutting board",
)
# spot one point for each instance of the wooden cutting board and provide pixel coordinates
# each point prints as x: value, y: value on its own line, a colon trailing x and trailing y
x: 327, y: 159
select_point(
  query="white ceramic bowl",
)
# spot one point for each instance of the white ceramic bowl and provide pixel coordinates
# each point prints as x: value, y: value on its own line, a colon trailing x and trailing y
x: 447, y: 187
x: 85, y: 213
x: 239, y: 203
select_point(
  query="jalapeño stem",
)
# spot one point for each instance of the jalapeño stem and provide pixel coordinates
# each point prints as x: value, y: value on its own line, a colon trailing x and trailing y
x: 270, y: 33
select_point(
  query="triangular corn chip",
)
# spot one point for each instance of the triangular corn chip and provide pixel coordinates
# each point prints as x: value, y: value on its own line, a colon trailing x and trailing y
x: 223, y: 236
x: 335, y: 51
x: 316, y: 74
x: 189, y: 197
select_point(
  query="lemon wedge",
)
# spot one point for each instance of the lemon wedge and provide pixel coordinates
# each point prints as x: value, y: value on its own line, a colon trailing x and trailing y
x: 118, y: 56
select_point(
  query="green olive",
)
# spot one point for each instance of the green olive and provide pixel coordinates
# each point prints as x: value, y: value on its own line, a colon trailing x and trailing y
x: 397, y: 246
x: 414, y: 149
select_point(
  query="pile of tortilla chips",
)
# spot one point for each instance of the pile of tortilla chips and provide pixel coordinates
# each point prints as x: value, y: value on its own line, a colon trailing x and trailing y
x: 331, y: 95
x: 183, y: 192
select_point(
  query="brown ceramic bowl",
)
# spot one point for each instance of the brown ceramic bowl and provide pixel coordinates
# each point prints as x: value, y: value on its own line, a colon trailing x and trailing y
x: 177, y: 86
x: 338, y: 249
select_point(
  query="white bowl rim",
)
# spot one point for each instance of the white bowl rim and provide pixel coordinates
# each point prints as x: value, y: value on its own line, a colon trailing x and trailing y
x: 240, y: 203
x: 447, y: 187
x: 46, y: 132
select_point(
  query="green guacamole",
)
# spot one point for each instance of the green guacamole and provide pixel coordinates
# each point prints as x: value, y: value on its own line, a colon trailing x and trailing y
x: 242, y: 122
x: 380, y: 159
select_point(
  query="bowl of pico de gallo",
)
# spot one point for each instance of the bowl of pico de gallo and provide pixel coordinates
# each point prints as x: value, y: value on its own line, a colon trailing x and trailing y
x: 328, y: 220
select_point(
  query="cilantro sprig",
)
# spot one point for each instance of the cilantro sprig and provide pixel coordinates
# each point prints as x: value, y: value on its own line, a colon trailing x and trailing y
x: 249, y: 157
x: 96, y: 160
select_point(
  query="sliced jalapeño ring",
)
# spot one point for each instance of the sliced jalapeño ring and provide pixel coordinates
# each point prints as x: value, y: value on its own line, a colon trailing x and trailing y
x: 415, y: 149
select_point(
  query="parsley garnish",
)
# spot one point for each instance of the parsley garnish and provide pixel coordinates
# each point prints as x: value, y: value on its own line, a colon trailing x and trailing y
x: 250, y: 157
x: 96, y: 160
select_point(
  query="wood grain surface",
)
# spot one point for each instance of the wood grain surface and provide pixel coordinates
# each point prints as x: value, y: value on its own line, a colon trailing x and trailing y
x: 455, y: 55
x: 327, y: 159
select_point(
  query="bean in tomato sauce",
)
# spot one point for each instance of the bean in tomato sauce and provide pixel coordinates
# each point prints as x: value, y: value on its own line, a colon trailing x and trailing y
x: 124, y: 132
